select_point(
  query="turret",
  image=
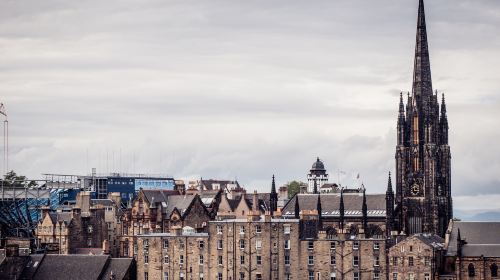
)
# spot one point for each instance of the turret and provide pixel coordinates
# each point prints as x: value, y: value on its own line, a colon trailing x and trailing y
x: 401, y: 121
x: 341, y: 210
x: 273, y: 198
x: 364, y: 210
x: 389, y: 206
x: 319, y: 209
x: 443, y: 123
x: 297, y: 207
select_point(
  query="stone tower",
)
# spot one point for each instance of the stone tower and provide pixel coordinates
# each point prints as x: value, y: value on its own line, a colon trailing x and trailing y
x: 423, y: 185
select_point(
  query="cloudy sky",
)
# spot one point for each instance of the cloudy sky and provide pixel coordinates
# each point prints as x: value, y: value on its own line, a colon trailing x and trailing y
x: 245, y: 89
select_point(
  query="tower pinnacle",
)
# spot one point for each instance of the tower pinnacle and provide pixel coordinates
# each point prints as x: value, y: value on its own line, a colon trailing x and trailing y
x: 422, y: 81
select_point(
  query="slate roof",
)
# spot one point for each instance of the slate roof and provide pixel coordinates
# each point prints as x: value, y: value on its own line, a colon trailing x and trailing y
x: 75, y: 267
x: 119, y: 267
x: 56, y: 217
x: 330, y: 204
x: 482, y: 238
x: 157, y: 195
x: 432, y: 240
x: 181, y: 202
x: 223, y: 184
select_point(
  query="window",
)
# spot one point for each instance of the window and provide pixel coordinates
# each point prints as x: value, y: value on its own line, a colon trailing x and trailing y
x: 242, y: 244
x: 287, y: 244
x: 145, y: 243
x: 259, y: 260
x: 181, y: 276
x: 258, y: 244
x: 219, y: 244
x: 181, y: 244
x: 219, y: 260
x: 412, y: 276
x: 201, y: 244
x: 356, y: 275
x: 165, y: 275
x: 411, y: 248
x: 376, y: 261
x: 181, y: 259
x: 427, y: 276
x: 258, y: 229
x: 287, y: 276
x: 494, y: 270
x: 242, y: 275
x: 333, y: 276
x: 242, y: 259
x: 311, y: 260
x: 242, y: 230
x: 146, y: 276
x: 427, y: 261
x: 333, y: 246
x: 394, y: 276
x: 355, y: 245
x: 332, y: 260
x: 355, y: 260
x: 219, y: 276
x: 310, y: 245
x: 166, y: 259
x: 402, y: 249
x: 286, y: 229
x: 287, y: 260
x: 201, y: 259
x: 219, y: 229
x: 376, y: 275
x: 376, y: 246
x: 311, y: 275
x: 472, y: 270
x: 258, y: 276
x: 146, y: 259
x: 165, y: 244
x: 395, y: 261
x: 410, y: 261
x: 202, y: 276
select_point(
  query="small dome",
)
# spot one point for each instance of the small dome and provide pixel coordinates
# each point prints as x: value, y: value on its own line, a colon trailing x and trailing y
x: 318, y: 165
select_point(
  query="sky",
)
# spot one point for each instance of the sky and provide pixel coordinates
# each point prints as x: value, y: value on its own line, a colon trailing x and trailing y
x: 245, y: 89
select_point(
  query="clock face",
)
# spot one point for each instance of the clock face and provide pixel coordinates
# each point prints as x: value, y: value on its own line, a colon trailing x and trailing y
x: 415, y: 189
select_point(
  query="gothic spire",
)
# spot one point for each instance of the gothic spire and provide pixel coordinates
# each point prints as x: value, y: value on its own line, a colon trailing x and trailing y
x: 341, y: 209
x: 364, y: 210
x: 443, y: 109
x: 297, y: 207
x: 389, y: 185
x: 273, y: 198
x: 422, y: 82
x: 401, y: 106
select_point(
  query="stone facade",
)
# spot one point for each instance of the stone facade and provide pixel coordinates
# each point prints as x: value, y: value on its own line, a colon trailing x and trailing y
x: 157, y: 211
x: 417, y: 257
x: 182, y: 254
x: 76, y: 226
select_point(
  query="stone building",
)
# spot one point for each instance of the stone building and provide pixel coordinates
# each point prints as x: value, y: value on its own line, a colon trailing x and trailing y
x: 417, y: 257
x: 181, y: 254
x: 472, y: 251
x: 75, y: 226
x: 423, y: 158
x: 157, y: 211
x: 317, y: 177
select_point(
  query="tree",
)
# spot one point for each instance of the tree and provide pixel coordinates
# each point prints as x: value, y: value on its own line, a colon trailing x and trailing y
x: 294, y: 188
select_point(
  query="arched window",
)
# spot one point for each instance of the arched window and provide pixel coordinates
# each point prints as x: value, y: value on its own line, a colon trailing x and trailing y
x: 472, y: 270
x: 494, y: 270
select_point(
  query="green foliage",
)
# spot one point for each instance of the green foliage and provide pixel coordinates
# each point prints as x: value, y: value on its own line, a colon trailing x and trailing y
x: 294, y: 188
x: 11, y: 179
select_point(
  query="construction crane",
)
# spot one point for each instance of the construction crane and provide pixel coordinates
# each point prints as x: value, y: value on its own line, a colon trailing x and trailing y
x: 3, y: 112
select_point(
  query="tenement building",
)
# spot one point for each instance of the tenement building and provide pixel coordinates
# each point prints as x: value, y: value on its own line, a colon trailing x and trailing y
x: 405, y: 234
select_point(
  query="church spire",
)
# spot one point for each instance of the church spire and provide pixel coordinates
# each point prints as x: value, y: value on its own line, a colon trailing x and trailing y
x: 341, y: 210
x: 273, y: 198
x: 422, y: 82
